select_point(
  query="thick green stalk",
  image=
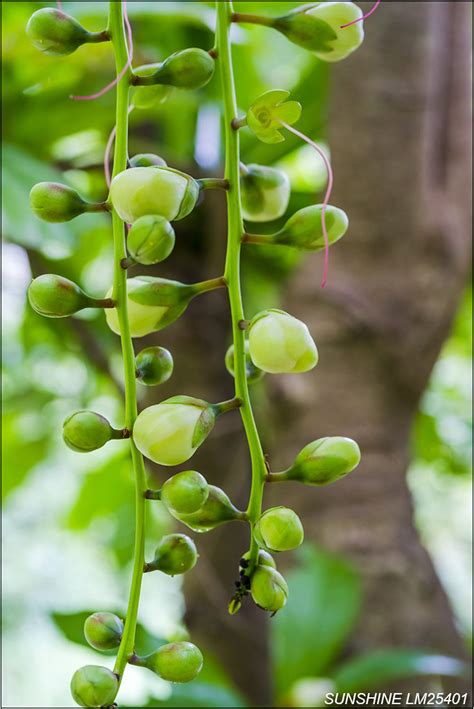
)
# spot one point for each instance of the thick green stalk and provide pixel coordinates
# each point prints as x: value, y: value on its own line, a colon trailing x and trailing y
x: 232, y: 266
x: 117, y: 31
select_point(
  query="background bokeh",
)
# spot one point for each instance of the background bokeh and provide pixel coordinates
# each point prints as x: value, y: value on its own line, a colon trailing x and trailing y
x: 68, y: 519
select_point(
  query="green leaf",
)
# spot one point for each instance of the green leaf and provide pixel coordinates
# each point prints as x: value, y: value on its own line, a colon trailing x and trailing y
x: 322, y: 608
x: 19, y: 456
x: 378, y: 668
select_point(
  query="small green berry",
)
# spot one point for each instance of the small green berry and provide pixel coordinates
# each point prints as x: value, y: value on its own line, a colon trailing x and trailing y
x: 153, y: 366
x: 103, y: 631
x: 279, y: 529
x: 279, y: 343
x: 175, y: 554
x: 252, y: 372
x: 265, y: 193
x: 147, y: 160
x: 94, y: 686
x: 185, y: 492
x: 86, y: 431
x: 268, y: 588
x: 150, y: 240
x: 54, y: 32
x: 176, y: 662
x: 56, y: 297
x: 54, y: 202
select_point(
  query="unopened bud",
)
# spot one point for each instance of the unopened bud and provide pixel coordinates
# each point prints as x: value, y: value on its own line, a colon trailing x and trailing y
x: 252, y: 372
x: 54, y: 202
x: 57, y: 297
x: 279, y: 343
x: 187, y: 69
x: 265, y: 193
x: 153, y: 366
x: 150, y: 240
x: 324, y: 461
x: 174, y: 662
x: 147, y: 160
x: 279, y: 529
x: 52, y: 31
x: 103, y: 631
x: 268, y: 588
x: 175, y: 554
x: 185, y: 492
x: 86, y: 431
x: 94, y: 686
x: 304, y: 230
x: 217, y: 510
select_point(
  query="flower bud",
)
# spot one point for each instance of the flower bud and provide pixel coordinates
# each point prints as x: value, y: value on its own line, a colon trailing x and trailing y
x: 152, y: 304
x: 217, y: 510
x: 252, y: 372
x: 170, y: 433
x: 54, y: 202
x: 279, y: 343
x: 86, y: 431
x: 150, y: 240
x: 94, y: 686
x: 188, y: 69
x: 185, y: 492
x: 57, y: 297
x: 265, y: 193
x: 54, y: 32
x: 324, y: 461
x: 279, y: 529
x: 153, y: 365
x: 304, y: 230
x: 144, y: 97
x: 103, y: 631
x: 175, y: 554
x: 264, y: 558
x: 147, y: 160
x: 318, y: 28
x: 175, y: 662
x: 268, y: 588
x: 141, y: 191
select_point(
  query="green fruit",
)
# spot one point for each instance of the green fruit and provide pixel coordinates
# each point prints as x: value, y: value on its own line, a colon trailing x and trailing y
x: 188, y: 69
x: 304, y: 230
x: 170, y: 433
x: 94, y: 686
x: 86, y: 431
x: 57, y: 297
x: 264, y: 558
x: 268, y: 588
x: 252, y: 372
x: 279, y: 343
x: 54, y: 32
x: 103, y: 631
x: 150, y: 240
x: 217, y: 510
x: 185, y: 492
x: 176, y: 662
x: 318, y: 28
x: 279, y: 529
x: 175, y: 554
x: 147, y: 160
x: 153, y: 366
x: 265, y: 193
x: 324, y: 461
x: 54, y: 202
x: 141, y: 191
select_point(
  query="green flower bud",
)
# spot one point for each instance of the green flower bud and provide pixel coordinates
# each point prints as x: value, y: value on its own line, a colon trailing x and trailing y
x: 54, y: 202
x: 147, y: 160
x: 144, y: 97
x: 86, y: 431
x: 318, y: 28
x: 175, y: 662
x: 141, y: 191
x: 217, y: 510
x: 57, y: 297
x: 150, y: 240
x: 94, y: 686
x: 279, y: 343
x: 304, y: 230
x: 175, y: 554
x: 103, y: 631
x: 264, y: 558
x: 188, y: 69
x: 279, y: 529
x: 153, y: 365
x: 252, y: 372
x: 185, y: 492
x: 54, y: 32
x: 265, y: 193
x: 268, y: 588
x: 323, y: 461
x: 170, y: 433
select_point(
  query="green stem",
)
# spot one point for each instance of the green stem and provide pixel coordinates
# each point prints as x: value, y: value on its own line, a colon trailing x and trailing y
x: 232, y: 266
x: 213, y: 183
x: 252, y: 19
x: 211, y: 284
x: 117, y: 31
x: 260, y: 239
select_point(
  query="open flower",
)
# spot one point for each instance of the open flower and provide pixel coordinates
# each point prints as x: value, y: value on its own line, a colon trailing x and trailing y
x: 265, y: 113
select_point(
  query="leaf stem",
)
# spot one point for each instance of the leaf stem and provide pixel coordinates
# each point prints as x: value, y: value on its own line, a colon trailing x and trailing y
x: 232, y: 266
x: 117, y: 31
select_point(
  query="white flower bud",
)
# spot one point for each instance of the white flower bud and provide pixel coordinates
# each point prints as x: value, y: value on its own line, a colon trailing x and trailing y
x: 279, y: 343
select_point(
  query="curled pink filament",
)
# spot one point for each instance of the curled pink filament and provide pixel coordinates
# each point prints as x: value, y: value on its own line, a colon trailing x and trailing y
x: 103, y: 91
x: 59, y: 4
x: 108, y: 149
x: 329, y: 171
x: 364, y: 17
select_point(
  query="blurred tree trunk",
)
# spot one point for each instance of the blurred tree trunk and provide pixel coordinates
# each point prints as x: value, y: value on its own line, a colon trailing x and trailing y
x: 399, y: 134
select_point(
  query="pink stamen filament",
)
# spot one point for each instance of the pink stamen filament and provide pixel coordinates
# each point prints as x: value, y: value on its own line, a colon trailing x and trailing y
x: 330, y: 175
x: 128, y: 64
x: 364, y: 17
x: 108, y: 149
x: 59, y: 4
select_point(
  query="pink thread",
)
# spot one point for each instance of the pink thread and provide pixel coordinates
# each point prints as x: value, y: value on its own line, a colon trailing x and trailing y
x: 326, y: 196
x: 108, y: 149
x: 59, y: 4
x: 91, y: 97
x: 364, y: 17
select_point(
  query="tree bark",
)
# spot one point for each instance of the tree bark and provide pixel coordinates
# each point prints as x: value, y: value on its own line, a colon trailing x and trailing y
x: 399, y: 134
